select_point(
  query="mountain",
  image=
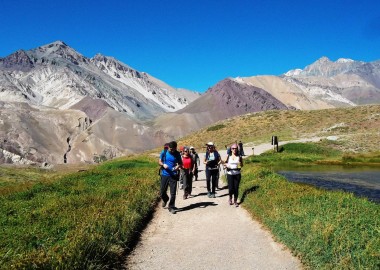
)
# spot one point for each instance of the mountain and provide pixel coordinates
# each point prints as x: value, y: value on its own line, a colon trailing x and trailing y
x: 58, y: 106
x: 226, y: 99
x: 344, y: 82
x: 321, y: 85
x: 57, y: 76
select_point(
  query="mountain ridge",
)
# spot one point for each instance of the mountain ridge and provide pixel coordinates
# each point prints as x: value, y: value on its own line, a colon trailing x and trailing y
x: 58, y: 106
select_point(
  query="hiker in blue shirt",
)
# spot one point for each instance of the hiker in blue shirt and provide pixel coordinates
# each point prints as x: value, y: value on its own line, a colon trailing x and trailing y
x: 170, y: 162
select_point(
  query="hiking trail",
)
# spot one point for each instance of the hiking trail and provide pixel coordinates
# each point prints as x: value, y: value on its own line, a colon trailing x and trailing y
x: 208, y: 233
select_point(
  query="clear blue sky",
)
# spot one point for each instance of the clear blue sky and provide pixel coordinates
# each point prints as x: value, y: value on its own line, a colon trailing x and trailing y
x: 194, y: 44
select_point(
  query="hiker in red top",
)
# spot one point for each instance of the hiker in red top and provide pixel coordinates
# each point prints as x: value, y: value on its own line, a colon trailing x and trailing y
x: 188, y: 169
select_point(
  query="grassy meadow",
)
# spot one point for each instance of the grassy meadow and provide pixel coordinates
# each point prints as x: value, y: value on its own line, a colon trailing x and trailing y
x: 326, y: 229
x: 81, y: 220
x: 88, y: 218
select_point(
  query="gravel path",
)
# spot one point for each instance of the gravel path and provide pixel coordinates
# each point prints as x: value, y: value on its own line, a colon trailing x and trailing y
x: 208, y: 233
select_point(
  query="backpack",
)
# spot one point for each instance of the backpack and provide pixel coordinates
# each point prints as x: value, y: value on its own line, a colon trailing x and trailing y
x: 214, y: 163
x: 240, y: 160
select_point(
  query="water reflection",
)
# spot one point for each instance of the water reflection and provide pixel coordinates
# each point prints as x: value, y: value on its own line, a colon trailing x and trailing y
x: 364, y: 181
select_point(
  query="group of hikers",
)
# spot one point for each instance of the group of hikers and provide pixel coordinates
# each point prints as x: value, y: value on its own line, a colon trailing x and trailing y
x: 183, y: 166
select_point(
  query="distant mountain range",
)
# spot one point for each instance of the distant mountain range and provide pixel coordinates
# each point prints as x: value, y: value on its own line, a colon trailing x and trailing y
x: 321, y: 85
x: 59, y: 106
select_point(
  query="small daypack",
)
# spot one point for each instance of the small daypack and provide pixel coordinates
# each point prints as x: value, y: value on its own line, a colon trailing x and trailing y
x: 214, y: 163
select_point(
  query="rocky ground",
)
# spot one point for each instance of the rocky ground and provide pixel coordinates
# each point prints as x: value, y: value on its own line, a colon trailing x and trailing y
x: 208, y: 233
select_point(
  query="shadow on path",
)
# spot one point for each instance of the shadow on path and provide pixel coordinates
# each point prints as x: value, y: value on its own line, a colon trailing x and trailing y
x: 197, y: 205
x: 246, y: 192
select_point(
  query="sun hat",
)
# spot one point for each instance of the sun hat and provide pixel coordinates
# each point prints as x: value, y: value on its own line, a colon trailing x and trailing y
x: 192, y: 147
x: 210, y: 144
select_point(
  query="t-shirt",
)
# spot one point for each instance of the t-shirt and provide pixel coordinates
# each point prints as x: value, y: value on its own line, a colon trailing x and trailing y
x: 171, y: 159
x: 233, y: 165
x: 213, y: 158
x: 187, y: 162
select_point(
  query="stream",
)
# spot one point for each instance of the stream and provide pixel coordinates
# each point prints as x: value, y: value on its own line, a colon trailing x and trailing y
x: 363, y: 181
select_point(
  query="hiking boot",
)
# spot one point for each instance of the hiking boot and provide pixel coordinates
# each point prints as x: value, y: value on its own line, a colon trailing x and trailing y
x: 213, y: 195
x: 209, y: 194
x: 185, y: 197
x: 236, y: 204
x: 172, y: 210
x: 230, y: 202
x: 181, y: 186
x: 164, y: 203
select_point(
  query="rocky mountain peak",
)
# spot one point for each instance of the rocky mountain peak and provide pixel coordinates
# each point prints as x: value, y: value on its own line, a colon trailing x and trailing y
x: 324, y: 67
x: 59, y: 51
x: 18, y: 60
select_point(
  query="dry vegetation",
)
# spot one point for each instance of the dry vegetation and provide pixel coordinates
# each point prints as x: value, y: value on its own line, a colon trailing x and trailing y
x: 357, y: 128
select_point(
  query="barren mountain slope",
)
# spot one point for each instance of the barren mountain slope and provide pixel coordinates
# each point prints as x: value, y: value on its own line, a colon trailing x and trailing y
x: 288, y: 93
x: 226, y: 99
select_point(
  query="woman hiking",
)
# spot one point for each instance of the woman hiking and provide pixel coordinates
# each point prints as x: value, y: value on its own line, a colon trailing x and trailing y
x: 188, y: 168
x: 233, y: 164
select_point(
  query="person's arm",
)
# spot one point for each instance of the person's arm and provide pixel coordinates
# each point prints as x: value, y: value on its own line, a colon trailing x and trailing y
x: 219, y: 159
x: 205, y: 160
x: 241, y: 161
x: 165, y: 166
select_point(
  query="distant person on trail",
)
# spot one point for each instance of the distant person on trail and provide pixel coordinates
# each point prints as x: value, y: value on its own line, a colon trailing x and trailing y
x: 241, y: 150
x: 170, y: 162
x: 233, y: 164
x: 196, y: 160
x: 228, y: 148
x: 188, y: 168
x: 212, y: 160
x: 181, y: 171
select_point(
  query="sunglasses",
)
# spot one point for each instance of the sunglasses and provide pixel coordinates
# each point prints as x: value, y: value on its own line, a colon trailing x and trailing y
x: 233, y: 148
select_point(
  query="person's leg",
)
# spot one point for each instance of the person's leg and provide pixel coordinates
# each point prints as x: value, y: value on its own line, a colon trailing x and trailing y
x: 214, y: 179
x: 190, y: 183
x: 186, y: 180
x: 230, y: 184
x: 164, y: 188
x: 208, y: 179
x: 196, y: 174
x: 173, y: 190
x: 236, y: 187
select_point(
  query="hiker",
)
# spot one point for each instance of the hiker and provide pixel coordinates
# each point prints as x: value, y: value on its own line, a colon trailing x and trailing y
x: 196, y: 160
x: 170, y: 162
x: 241, y: 150
x: 188, y: 168
x: 228, y: 148
x: 181, y: 171
x: 212, y: 160
x: 233, y: 164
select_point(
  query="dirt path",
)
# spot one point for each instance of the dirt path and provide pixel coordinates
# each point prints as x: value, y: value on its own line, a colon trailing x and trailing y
x: 208, y: 233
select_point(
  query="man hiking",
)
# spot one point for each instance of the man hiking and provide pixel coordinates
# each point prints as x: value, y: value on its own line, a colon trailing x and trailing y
x: 212, y: 160
x: 170, y: 162
x: 196, y: 160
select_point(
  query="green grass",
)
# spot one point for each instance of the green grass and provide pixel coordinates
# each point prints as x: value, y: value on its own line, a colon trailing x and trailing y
x: 83, y: 220
x: 297, y: 153
x: 326, y: 229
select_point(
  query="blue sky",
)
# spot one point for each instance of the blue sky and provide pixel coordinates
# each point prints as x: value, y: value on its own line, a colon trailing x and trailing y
x: 196, y: 43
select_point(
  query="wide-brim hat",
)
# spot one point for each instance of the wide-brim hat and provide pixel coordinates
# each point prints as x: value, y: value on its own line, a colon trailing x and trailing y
x: 210, y: 144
